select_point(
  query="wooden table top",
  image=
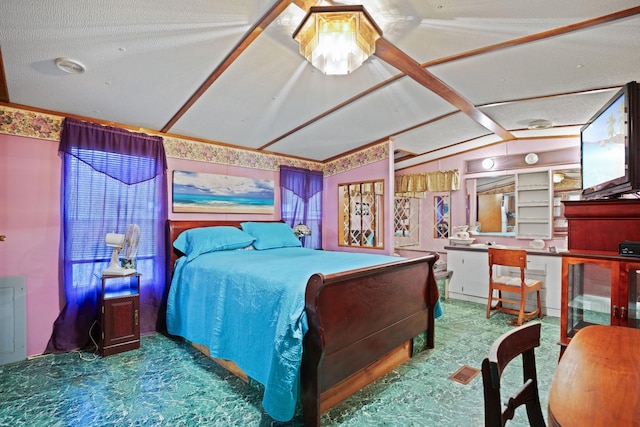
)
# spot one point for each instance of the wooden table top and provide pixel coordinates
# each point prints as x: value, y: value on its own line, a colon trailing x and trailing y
x: 597, y: 382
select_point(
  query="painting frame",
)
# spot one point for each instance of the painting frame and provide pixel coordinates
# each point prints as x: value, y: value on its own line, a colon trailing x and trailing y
x: 201, y: 192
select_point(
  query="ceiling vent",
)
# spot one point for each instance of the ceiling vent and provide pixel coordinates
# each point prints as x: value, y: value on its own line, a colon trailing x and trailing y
x: 70, y: 66
x: 539, y: 124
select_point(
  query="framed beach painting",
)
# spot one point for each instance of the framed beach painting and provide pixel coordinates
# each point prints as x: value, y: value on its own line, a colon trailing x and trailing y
x: 197, y: 192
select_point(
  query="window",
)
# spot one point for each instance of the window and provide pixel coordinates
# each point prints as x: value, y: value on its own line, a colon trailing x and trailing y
x: 111, y: 178
x: 361, y: 215
x: 441, y: 217
x: 301, y: 202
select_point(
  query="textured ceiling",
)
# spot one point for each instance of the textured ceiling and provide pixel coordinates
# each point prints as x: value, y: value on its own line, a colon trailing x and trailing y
x: 230, y: 72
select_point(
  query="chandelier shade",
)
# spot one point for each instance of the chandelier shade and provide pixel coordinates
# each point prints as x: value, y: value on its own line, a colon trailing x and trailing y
x: 337, y: 39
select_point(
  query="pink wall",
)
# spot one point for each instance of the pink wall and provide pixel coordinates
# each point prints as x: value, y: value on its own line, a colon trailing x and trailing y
x: 30, y: 180
x: 30, y: 213
x: 458, y: 197
x: 30, y: 218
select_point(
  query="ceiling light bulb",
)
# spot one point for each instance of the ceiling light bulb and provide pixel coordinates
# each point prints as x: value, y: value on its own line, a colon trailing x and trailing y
x: 487, y: 163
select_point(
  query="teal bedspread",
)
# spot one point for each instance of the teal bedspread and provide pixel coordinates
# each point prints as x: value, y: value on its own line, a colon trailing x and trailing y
x: 248, y: 306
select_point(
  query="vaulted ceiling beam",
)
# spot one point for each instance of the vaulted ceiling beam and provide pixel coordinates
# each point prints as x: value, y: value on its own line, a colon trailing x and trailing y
x: 393, y: 54
x: 4, y: 90
x: 403, y: 62
x: 495, y: 47
x: 246, y: 41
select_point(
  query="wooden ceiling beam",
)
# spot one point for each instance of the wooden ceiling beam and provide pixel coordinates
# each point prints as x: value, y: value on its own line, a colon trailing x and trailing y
x: 246, y: 41
x: 4, y: 89
x: 495, y: 47
x: 306, y: 4
x: 554, y: 32
x: 419, y: 73
x: 410, y: 67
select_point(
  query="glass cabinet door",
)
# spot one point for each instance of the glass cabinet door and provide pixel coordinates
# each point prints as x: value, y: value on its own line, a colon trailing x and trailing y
x: 632, y: 271
x: 589, y: 294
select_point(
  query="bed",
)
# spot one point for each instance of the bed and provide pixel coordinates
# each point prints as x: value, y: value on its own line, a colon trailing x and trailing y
x: 354, y: 325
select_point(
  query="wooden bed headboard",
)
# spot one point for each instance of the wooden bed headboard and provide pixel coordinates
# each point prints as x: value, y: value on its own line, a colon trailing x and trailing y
x: 175, y: 227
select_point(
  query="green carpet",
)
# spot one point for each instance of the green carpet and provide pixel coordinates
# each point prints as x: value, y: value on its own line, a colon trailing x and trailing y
x: 168, y: 383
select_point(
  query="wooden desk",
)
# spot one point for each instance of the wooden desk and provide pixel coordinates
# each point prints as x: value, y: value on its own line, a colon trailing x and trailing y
x: 597, y: 382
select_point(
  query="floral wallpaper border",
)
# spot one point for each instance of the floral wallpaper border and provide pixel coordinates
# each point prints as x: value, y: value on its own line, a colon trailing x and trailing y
x: 30, y: 124
x: 18, y: 122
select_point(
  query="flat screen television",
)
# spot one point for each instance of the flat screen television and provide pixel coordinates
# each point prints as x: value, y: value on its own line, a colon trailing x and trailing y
x: 609, y: 147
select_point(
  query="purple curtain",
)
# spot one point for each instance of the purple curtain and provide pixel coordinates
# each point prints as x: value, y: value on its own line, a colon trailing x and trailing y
x: 301, y: 201
x: 111, y: 178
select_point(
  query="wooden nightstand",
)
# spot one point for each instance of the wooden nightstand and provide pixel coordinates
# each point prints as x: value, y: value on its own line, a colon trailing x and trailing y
x: 120, y: 312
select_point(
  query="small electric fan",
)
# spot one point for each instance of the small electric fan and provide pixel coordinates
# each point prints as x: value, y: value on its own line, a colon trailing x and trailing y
x: 128, y: 243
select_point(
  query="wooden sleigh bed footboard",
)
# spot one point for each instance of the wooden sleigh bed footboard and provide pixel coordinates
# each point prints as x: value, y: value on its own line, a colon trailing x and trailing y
x: 361, y: 323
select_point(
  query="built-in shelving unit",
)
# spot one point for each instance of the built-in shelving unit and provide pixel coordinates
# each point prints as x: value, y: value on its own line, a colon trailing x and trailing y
x: 534, y: 204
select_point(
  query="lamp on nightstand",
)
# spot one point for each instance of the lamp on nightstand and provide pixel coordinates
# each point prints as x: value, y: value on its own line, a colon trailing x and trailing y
x: 301, y: 230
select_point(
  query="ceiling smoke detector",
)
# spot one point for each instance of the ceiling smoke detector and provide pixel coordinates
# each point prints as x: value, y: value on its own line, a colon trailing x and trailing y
x: 70, y: 66
x: 539, y: 124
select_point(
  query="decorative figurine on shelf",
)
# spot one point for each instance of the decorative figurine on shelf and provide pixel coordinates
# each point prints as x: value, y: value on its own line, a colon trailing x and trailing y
x: 301, y: 230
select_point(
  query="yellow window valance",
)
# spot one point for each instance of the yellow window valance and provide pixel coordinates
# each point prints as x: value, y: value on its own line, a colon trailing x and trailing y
x: 415, y: 185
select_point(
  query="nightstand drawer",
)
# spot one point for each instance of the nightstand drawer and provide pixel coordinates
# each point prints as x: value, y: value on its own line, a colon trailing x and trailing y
x: 120, y: 324
x: 120, y: 314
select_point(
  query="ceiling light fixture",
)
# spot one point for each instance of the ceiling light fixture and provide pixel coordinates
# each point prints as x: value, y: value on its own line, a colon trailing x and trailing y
x: 558, y: 177
x: 487, y: 163
x: 531, y: 159
x: 70, y: 66
x: 337, y: 39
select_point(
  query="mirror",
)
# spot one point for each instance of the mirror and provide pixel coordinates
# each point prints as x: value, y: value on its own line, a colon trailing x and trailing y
x: 567, y: 185
x: 441, y: 217
x: 361, y: 215
x: 495, y: 210
x: 406, y: 220
x: 491, y: 202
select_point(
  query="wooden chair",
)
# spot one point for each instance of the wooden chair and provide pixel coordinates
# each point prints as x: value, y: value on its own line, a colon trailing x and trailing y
x: 512, y: 285
x: 519, y: 341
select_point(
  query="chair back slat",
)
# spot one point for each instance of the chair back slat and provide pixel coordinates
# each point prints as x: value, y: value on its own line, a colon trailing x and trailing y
x: 518, y: 342
x: 508, y: 257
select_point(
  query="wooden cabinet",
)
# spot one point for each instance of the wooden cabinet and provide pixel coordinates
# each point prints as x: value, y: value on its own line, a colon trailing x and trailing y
x: 599, y: 287
x: 534, y: 205
x: 120, y: 314
x: 600, y: 225
x: 470, y: 274
x: 470, y: 279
